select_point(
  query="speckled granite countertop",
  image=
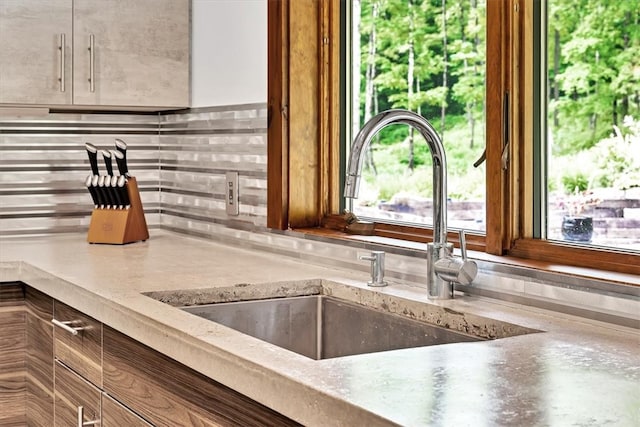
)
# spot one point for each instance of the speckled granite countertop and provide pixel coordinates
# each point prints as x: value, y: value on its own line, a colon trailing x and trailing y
x: 576, y: 372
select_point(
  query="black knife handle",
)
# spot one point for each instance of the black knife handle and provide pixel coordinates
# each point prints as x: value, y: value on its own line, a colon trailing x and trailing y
x: 92, y: 152
x: 121, y: 146
x: 107, y: 161
x: 124, y: 190
x: 92, y: 190
x: 121, y: 161
x: 115, y: 193
x: 102, y: 185
x: 95, y: 184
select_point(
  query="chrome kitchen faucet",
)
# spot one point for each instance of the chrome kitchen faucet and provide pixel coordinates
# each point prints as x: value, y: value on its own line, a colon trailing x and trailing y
x: 443, y: 269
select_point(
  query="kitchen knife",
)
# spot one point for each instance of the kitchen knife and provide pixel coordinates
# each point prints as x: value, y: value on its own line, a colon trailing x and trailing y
x: 123, y: 191
x: 92, y: 152
x: 121, y: 161
x: 115, y: 192
x: 121, y: 157
x: 105, y: 191
x: 92, y: 190
x: 98, y: 191
x: 107, y: 161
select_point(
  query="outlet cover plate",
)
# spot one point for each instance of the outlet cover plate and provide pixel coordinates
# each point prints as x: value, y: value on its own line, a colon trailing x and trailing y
x: 231, y: 193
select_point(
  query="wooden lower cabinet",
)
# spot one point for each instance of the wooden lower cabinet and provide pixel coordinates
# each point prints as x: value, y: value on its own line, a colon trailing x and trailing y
x: 12, y: 362
x: 39, y: 358
x: 75, y: 398
x: 81, y: 352
x: 116, y: 415
x: 168, y: 393
x: 46, y: 375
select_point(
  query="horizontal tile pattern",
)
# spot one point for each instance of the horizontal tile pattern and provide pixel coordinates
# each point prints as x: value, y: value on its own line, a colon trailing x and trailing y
x: 179, y: 159
x: 43, y: 165
x: 197, y: 148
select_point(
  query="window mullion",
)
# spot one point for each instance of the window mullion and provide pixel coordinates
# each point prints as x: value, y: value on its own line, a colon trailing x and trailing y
x: 497, y: 72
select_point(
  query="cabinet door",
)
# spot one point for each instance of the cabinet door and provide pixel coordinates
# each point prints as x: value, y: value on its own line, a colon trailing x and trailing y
x: 75, y: 398
x: 12, y: 345
x: 116, y: 415
x: 39, y: 358
x: 131, y: 53
x: 33, y: 69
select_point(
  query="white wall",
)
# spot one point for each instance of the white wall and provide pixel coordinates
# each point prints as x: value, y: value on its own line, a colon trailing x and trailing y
x: 229, y: 52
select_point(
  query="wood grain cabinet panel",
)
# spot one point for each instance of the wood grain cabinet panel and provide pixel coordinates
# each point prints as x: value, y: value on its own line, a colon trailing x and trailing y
x: 72, y: 392
x: 168, y: 393
x: 81, y: 352
x: 116, y: 415
x: 39, y: 358
x: 12, y: 362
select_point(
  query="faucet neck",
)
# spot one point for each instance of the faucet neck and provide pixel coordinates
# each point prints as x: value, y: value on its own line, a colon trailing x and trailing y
x: 366, y: 135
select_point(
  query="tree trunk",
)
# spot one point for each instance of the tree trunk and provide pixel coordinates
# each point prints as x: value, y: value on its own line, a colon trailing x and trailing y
x: 443, y: 109
x: 355, y: 76
x: 476, y: 43
x: 410, y: 71
x: 369, y: 85
x: 556, y: 70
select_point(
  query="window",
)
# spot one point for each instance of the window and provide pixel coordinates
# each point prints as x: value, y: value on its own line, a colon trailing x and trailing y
x: 306, y: 159
x: 592, y: 108
x: 427, y: 57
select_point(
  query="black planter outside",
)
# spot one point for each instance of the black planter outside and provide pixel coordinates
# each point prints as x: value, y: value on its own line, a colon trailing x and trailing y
x: 577, y: 228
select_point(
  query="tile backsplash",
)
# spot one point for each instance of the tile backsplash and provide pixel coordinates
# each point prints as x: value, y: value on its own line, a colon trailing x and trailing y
x: 179, y: 158
x: 197, y: 148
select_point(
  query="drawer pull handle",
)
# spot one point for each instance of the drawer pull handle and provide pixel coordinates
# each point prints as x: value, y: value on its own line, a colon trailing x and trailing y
x: 81, y: 422
x: 73, y: 330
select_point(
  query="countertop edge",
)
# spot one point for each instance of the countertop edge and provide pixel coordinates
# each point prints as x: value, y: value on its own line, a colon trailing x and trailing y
x: 294, y: 399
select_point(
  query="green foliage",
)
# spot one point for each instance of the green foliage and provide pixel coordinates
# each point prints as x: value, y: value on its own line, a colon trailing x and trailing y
x: 465, y: 181
x: 619, y: 156
x: 593, y: 58
x: 575, y: 182
x: 593, y: 80
x: 613, y: 162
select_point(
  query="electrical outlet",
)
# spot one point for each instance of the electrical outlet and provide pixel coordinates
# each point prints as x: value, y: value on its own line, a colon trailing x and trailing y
x: 231, y: 193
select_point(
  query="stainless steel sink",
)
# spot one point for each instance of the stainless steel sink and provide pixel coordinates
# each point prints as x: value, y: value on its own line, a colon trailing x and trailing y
x: 322, y: 327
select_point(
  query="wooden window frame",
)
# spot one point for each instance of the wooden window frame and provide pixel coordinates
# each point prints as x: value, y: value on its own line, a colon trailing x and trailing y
x: 303, y: 177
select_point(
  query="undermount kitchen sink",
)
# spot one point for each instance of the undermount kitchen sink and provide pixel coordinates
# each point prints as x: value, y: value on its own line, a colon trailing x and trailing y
x: 323, y: 319
x: 322, y: 327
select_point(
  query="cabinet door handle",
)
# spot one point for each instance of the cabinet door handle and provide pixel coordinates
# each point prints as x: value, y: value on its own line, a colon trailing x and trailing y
x: 62, y: 50
x: 92, y: 63
x: 82, y: 422
x: 73, y: 330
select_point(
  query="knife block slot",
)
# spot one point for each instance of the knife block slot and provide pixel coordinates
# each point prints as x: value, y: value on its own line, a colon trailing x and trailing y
x: 120, y: 226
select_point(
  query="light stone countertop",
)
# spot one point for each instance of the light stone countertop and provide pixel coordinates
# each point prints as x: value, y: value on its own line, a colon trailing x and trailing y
x: 576, y: 372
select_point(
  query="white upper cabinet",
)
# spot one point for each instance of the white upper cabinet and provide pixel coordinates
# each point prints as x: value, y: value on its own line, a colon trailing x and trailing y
x: 95, y: 53
x: 35, y: 59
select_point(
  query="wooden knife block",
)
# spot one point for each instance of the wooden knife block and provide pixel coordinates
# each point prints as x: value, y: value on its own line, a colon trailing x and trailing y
x: 120, y: 226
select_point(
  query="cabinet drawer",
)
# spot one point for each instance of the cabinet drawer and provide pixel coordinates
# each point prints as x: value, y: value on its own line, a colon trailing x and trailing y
x: 179, y: 396
x: 81, y: 351
x: 116, y: 415
x: 74, y: 395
